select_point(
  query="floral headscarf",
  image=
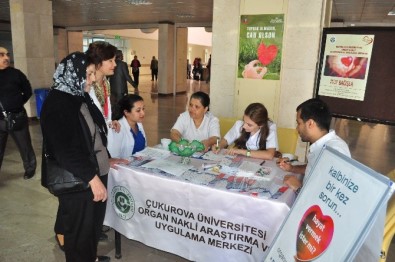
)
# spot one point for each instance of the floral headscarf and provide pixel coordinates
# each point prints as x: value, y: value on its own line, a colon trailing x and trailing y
x: 70, y: 75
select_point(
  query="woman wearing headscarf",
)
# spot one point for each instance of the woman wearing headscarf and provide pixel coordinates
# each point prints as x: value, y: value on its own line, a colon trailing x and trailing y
x: 72, y: 125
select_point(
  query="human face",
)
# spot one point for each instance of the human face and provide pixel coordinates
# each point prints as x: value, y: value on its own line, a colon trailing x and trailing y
x: 302, y: 128
x: 250, y: 126
x: 196, y: 109
x: 4, y: 58
x: 136, y: 115
x: 90, y: 77
x: 107, y: 67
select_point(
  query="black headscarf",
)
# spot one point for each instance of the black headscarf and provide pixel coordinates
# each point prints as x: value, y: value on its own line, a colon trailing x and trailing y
x: 70, y: 77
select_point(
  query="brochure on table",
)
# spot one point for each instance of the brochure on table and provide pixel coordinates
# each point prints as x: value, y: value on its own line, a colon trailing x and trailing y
x: 334, y: 212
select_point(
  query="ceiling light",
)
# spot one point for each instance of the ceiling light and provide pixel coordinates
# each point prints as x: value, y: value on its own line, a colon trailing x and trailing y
x: 138, y: 2
x: 184, y: 15
x: 391, y: 13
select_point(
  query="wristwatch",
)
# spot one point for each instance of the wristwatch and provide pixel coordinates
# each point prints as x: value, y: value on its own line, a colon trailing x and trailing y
x: 297, y: 191
x: 248, y: 153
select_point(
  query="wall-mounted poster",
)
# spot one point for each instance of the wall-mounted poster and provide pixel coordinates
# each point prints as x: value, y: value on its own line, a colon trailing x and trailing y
x: 346, y: 66
x: 260, y: 46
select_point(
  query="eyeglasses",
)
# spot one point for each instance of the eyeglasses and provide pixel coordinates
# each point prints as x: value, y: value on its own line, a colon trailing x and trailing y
x: 5, y: 54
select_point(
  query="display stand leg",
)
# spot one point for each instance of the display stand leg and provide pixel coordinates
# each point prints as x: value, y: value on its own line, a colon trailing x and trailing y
x: 118, y: 252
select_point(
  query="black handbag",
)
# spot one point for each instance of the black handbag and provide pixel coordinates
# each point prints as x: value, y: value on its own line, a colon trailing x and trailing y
x: 59, y: 180
x: 14, y: 121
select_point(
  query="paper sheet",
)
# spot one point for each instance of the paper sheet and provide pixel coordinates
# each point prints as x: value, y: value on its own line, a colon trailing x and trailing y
x: 170, y: 167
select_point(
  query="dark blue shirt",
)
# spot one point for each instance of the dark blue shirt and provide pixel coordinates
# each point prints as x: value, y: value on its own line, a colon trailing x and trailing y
x: 139, y: 141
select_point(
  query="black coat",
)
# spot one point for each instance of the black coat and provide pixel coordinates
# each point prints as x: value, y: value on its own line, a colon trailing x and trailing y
x: 65, y: 132
x: 118, y: 84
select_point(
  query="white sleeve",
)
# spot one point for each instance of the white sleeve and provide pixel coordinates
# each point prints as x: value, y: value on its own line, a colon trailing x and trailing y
x: 272, y: 141
x: 214, y: 129
x: 234, y: 132
x: 113, y: 144
x: 180, y: 124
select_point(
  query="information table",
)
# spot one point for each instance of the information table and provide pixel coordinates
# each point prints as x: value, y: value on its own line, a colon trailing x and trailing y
x: 204, y: 219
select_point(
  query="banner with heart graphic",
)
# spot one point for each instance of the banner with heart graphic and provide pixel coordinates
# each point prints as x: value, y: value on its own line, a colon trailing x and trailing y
x: 260, y: 46
x: 314, y: 234
x: 334, y: 213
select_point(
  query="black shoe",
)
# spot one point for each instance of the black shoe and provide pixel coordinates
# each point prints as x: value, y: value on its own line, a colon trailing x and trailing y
x: 103, y: 259
x: 105, y: 229
x: 28, y: 175
x: 103, y: 237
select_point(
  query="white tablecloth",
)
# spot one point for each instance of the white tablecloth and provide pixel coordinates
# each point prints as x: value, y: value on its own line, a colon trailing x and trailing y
x: 196, y: 222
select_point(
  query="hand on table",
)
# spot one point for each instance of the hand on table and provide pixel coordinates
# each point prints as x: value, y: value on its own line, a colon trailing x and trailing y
x: 98, y: 189
x: 234, y: 151
x: 115, y: 161
x: 292, y: 181
x: 215, y: 149
x: 284, y: 164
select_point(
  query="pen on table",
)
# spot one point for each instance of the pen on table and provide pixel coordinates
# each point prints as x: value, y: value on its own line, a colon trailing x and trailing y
x: 263, y: 162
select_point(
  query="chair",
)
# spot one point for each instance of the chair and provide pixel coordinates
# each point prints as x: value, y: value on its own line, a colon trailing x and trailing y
x: 287, y: 139
x: 225, y: 124
x: 389, y: 227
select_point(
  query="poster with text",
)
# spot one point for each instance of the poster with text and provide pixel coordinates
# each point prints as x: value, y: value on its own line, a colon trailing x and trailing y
x: 345, y: 66
x: 260, y: 46
x: 334, y: 212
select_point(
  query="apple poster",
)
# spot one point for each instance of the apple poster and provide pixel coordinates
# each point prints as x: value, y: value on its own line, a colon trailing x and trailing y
x: 345, y: 66
x: 329, y: 218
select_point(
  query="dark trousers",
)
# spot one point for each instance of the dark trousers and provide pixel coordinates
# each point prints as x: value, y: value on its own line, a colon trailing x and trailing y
x: 80, y: 219
x: 136, y: 77
x: 154, y: 73
x: 24, y: 143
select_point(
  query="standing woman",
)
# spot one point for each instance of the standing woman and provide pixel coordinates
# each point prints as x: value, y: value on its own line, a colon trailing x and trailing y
x: 103, y: 56
x: 71, y: 126
x: 255, y: 136
x: 197, y: 123
x: 131, y: 139
x: 135, y: 65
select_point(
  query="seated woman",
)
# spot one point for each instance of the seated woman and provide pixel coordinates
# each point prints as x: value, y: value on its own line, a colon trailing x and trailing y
x: 129, y: 140
x: 255, y: 136
x: 197, y: 123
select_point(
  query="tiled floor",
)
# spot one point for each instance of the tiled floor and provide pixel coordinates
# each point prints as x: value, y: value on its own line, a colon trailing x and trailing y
x: 27, y: 210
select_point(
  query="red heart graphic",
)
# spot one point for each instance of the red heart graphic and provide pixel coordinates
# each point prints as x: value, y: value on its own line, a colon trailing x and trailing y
x: 346, y: 60
x: 266, y: 54
x: 314, y: 234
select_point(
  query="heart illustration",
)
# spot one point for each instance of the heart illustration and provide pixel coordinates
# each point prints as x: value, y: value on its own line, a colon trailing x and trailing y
x: 315, y: 233
x: 266, y: 54
x: 346, y: 60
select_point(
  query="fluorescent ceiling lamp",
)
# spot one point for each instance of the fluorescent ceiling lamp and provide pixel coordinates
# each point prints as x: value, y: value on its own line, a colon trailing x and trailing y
x: 138, y: 2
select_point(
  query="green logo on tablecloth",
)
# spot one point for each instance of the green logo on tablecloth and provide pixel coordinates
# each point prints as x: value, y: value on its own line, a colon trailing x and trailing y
x: 122, y: 202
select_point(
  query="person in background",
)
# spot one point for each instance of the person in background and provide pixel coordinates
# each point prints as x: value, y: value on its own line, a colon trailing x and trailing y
x: 313, y: 119
x: 255, y: 136
x: 135, y: 65
x: 15, y: 91
x: 208, y: 66
x: 132, y: 138
x: 118, y: 81
x: 197, y: 123
x: 154, y: 69
x: 188, y: 69
x: 70, y: 121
